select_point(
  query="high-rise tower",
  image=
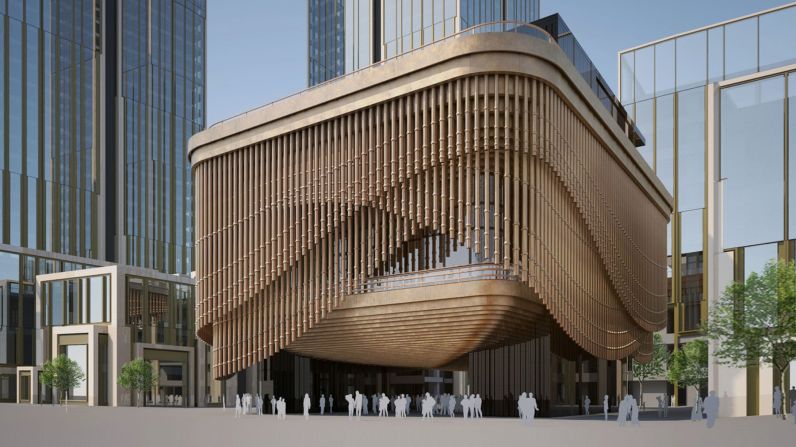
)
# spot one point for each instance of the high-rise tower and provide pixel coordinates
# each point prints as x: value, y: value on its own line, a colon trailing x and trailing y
x: 99, y: 98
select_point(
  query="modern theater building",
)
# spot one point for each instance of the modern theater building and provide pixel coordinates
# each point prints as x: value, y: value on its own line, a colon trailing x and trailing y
x: 456, y: 206
x: 98, y: 100
x: 717, y: 106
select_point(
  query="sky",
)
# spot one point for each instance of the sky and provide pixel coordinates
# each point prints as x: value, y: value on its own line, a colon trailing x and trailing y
x: 257, y: 49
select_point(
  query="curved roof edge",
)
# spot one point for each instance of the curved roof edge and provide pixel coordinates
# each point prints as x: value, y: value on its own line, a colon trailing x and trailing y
x: 451, y: 58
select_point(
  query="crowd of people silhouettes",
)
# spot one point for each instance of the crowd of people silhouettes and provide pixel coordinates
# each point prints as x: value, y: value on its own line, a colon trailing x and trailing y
x: 470, y: 406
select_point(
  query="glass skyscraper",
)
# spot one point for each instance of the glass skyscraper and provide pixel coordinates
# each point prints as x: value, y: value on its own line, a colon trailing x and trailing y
x: 346, y: 35
x: 715, y: 107
x: 98, y: 101
x: 161, y: 105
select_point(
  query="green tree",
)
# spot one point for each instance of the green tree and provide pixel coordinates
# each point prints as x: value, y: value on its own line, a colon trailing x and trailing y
x: 137, y: 376
x: 755, y: 320
x: 689, y: 365
x: 62, y: 374
x: 654, y: 367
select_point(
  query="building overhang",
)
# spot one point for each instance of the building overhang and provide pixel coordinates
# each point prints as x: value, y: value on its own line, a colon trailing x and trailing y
x: 426, y: 326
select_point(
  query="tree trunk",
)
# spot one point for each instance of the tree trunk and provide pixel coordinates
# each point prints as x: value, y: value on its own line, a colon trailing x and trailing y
x: 641, y: 394
x: 784, y: 391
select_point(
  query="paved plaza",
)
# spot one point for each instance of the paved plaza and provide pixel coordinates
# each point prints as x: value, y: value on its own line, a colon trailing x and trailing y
x: 34, y: 425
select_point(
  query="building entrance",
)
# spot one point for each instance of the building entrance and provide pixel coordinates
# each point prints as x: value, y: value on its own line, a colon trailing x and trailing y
x: 171, y: 385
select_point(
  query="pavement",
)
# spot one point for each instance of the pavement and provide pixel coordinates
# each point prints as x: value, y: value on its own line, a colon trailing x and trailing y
x: 674, y: 414
x: 43, y: 425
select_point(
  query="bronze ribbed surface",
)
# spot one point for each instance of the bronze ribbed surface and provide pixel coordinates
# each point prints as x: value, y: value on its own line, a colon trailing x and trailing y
x: 291, y: 229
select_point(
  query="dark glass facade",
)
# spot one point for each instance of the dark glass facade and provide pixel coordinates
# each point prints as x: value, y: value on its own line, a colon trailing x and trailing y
x: 294, y: 375
x: 326, y: 34
x: 162, y: 102
x: 552, y: 367
x: 99, y: 98
x: 49, y: 188
x: 347, y: 35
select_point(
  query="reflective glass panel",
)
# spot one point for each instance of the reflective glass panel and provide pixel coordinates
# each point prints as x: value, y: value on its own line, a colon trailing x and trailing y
x: 691, y: 231
x: 740, y: 53
x: 716, y: 54
x: 792, y: 156
x: 97, y: 293
x: 349, y: 35
x: 56, y: 296
x: 756, y: 257
x: 691, y: 149
x: 14, y: 105
x: 16, y: 209
x: 664, y: 67
x: 778, y: 38
x: 390, y: 35
x: 85, y: 298
x: 645, y: 125
x: 9, y: 266
x: 669, y: 242
x: 32, y: 212
x: 645, y: 73
x: 664, y: 140
x: 363, y: 29
x: 626, y: 73
x: 691, y: 60
x: 752, y: 153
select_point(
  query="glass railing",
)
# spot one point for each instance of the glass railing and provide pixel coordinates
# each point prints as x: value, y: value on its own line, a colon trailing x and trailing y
x: 442, y: 31
x: 450, y: 275
x: 555, y: 26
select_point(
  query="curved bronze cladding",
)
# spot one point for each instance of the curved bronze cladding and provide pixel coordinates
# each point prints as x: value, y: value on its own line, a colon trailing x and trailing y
x: 493, y: 141
x: 428, y: 327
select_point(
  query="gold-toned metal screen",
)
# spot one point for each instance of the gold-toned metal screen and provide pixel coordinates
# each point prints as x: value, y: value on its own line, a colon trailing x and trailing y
x: 291, y: 227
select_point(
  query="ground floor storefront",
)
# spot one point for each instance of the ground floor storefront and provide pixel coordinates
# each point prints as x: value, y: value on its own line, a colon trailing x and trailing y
x: 561, y: 376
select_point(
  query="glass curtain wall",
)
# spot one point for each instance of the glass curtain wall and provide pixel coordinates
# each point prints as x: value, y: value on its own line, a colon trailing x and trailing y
x: 77, y: 301
x: 663, y: 87
x: 757, y: 133
x: 48, y: 168
x: 163, y: 90
x: 326, y: 39
x: 347, y: 35
x: 18, y: 304
x: 752, y: 159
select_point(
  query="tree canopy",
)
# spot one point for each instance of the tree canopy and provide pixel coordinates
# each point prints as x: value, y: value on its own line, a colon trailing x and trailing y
x: 689, y: 365
x: 61, y: 373
x: 755, y: 320
x: 137, y: 376
x: 656, y: 365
